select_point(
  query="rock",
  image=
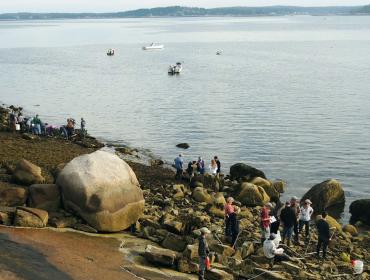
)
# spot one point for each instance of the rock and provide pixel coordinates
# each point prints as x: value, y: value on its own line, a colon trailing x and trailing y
x: 63, y: 222
x: 5, y: 219
x: 251, y: 195
x: 46, y: 197
x: 156, y: 162
x: 29, y: 136
x: 216, y: 212
x: 224, y: 250
x: 331, y: 221
x: 172, y: 225
x: 246, y: 214
x: 351, y: 230
x: 84, y: 228
x: 247, y: 249
x: 187, y: 266
x: 103, y: 190
x: 218, y: 274
x: 271, y: 275
x: 325, y: 195
x: 30, y: 217
x: 126, y: 151
x: 360, y: 211
x: 219, y: 200
x: 27, y: 173
x: 240, y: 170
x: 13, y: 196
x: 174, y: 242
x: 279, y: 186
x: 183, y: 146
x: 268, y: 187
x: 159, y: 256
x: 191, y: 252
x: 201, y: 195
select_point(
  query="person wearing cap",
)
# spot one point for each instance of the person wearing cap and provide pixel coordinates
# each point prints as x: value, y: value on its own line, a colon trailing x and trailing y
x: 265, y: 221
x: 178, y: 165
x: 272, y: 252
x: 305, y: 217
x: 231, y: 221
x: 287, y: 218
x: 203, y: 251
x: 294, y: 204
x: 323, y: 239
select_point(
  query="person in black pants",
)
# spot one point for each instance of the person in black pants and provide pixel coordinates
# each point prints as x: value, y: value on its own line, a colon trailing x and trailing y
x: 218, y: 162
x: 323, y: 235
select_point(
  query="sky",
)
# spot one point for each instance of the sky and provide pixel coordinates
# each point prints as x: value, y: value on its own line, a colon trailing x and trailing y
x: 124, y: 5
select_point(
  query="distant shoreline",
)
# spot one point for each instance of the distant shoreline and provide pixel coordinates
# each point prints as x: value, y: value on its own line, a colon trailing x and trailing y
x: 189, y: 12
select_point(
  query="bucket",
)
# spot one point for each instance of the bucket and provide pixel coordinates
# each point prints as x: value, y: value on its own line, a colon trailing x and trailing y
x: 17, y: 126
x: 358, y: 267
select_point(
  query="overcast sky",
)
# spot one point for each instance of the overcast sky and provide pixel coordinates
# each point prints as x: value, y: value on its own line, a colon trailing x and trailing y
x: 123, y: 5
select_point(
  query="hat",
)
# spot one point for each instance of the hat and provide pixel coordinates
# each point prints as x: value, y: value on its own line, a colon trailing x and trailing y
x: 308, y: 201
x: 294, y: 198
x: 268, y: 205
x: 230, y: 199
x: 204, y: 230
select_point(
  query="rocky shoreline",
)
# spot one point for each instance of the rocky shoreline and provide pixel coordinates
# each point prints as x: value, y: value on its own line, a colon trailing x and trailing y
x: 174, y: 211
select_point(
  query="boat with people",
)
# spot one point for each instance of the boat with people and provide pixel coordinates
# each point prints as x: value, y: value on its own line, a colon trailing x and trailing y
x: 175, y: 69
x: 153, y: 46
x: 110, y: 52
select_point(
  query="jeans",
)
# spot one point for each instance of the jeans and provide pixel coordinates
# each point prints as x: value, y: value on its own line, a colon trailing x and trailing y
x: 202, y: 267
x: 296, y: 232
x: 178, y: 174
x: 287, y: 232
x: 322, y: 242
x: 305, y: 224
x: 265, y: 234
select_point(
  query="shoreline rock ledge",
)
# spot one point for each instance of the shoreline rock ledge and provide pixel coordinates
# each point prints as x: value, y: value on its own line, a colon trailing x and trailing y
x: 103, y: 190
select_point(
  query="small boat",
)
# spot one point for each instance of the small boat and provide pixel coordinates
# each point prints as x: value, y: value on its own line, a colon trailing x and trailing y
x: 175, y: 69
x: 153, y: 46
x: 218, y: 53
x: 110, y: 52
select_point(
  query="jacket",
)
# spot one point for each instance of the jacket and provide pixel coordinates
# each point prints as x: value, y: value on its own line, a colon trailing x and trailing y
x: 203, y: 249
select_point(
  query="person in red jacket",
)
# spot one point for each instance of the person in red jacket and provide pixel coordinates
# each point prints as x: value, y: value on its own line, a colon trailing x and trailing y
x: 265, y: 222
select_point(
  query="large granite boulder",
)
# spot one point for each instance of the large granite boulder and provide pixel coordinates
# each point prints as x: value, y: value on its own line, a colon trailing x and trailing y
x: 360, y: 211
x: 325, y: 195
x: 201, y: 195
x: 44, y: 196
x: 240, y: 170
x: 252, y: 195
x: 268, y: 187
x: 27, y: 173
x: 103, y: 190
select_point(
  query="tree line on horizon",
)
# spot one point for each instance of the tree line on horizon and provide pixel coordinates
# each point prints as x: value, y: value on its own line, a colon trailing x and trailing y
x: 178, y: 11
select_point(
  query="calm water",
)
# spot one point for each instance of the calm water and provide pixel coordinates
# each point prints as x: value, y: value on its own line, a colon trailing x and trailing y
x: 289, y: 95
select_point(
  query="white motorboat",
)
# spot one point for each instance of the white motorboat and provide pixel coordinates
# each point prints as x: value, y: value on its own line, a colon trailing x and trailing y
x: 153, y: 46
x: 175, y: 69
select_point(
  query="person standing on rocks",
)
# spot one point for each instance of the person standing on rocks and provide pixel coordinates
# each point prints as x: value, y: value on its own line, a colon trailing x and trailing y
x: 178, y: 165
x: 287, y: 217
x: 213, y: 167
x: 36, y: 125
x: 305, y: 217
x: 323, y: 229
x: 231, y: 220
x: 83, y: 128
x: 203, y: 251
x: 294, y: 204
x: 265, y: 222
x: 200, y: 166
x: 218, y: 162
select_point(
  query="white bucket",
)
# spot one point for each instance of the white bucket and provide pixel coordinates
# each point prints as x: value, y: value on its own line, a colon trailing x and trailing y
x: 358, y: 267
x: 17, y: 126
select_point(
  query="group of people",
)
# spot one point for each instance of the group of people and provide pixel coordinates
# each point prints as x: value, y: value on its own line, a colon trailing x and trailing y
x: 295, y: 218
x: 196, y: 167
x: 34, y: 125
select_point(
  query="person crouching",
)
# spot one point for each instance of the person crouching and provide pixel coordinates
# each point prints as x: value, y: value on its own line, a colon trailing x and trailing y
x: 272, y: 252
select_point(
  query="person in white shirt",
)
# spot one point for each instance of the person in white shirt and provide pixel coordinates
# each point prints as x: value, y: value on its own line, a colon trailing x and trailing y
x: 271, y: 250
x: 213, y: 167
x: 305, y: 217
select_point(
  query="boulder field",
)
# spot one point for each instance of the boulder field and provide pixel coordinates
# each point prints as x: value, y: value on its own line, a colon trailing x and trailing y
x: 99, y: 192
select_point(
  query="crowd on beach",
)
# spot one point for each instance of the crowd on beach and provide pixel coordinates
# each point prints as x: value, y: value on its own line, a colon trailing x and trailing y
x: 28, y: 124
x: 281, y: 224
